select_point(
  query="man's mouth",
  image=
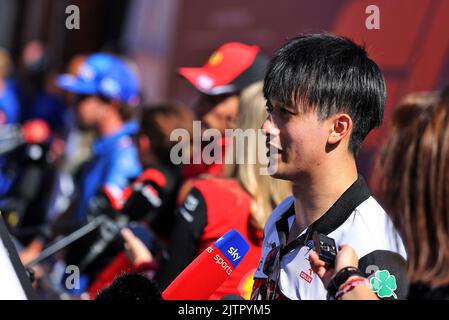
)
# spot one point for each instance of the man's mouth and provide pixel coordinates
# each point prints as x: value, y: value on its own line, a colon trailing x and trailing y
x: 272, y: 150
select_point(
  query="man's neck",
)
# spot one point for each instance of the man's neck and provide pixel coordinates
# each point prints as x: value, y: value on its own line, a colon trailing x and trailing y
x: 317, y: 192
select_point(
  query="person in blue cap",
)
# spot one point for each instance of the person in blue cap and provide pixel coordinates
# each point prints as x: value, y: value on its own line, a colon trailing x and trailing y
x: 107, y: 92
x: 9, y: 114
x: 9, y: 105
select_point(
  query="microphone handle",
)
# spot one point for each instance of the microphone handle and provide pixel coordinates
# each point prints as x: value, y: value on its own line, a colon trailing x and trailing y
x: 109, y: 231
x: 64, y: 242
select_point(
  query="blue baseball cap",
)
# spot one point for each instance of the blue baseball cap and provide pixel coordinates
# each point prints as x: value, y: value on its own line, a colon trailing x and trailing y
x: 105, y: 75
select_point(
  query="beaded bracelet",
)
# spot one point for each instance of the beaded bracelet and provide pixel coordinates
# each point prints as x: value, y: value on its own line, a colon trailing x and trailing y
x: 351, y: 284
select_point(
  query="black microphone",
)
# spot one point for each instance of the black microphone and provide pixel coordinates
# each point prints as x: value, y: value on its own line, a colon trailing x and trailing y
x: 108, y: 204
x: 13, y: 136
x: 232, y: 297
x: 144, y: 195
x: 131, y: 287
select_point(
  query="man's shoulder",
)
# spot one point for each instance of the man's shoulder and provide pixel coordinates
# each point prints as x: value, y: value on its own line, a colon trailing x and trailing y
x: 381, y: 252
x: 369, y: 228
x: 124, y: 144
x: 382, y: 256
x: 371, y: 209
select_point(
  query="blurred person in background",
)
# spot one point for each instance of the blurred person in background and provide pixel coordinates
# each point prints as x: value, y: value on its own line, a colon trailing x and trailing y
x: 33, y: 86
x: 73, y: 149
x: 9, y: 114
x: 151, y: 198
x: 242, y: 201
x: 69, y: 149
x: 106, y: 102
x: 9, y: 104
x: 33, y: 166
x: 230, y: 68
x: 107, y: 97
x: 105, y: 94
x: 413, y: 171
x: 26, y: 165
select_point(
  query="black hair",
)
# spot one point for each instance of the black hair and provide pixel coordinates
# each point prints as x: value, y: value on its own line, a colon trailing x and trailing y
x: 329, y: 74
x: 445, y: 94
x: 157, y: 123
x: 131, y: 287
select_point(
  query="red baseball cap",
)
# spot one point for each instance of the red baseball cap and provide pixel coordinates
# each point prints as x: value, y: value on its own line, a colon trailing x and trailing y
x: 232, y: 67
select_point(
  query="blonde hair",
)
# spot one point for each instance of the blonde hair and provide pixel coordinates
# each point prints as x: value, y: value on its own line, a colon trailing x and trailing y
x: 265, y: 191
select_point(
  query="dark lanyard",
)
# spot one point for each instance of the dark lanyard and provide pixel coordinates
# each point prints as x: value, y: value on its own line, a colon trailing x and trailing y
x: 340, y: 211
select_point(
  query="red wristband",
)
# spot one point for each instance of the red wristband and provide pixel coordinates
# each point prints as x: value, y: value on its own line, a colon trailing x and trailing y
x: 349, y: 285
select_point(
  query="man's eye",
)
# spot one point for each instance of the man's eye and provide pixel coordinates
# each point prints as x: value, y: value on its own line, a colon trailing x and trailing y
x: 269, y: 108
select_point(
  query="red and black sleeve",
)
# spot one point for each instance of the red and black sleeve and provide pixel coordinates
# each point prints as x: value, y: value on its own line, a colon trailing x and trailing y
x: 190, y: 221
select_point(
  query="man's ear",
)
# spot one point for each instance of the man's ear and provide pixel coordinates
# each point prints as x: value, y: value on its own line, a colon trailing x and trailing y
x: 341, y: 127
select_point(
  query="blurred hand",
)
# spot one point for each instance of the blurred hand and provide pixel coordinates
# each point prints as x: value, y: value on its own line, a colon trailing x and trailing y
x: 136, y: 249
x: 57, y: 147
x: 346, y: 257
x: 31, y: 252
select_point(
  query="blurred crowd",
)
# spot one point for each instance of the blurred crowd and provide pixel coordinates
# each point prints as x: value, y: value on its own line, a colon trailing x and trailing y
x: 87, y: 177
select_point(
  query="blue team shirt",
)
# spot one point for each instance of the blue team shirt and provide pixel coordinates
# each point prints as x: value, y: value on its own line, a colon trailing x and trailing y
x: 9, y: 104
x: 115, y: 161
x: 10, y: 107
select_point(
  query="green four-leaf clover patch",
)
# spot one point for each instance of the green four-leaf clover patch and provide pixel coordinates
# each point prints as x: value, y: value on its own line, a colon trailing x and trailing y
x: 384, y: 284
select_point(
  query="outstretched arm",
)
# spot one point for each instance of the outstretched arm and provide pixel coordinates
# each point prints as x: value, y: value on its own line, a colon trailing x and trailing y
x: 346, y: 257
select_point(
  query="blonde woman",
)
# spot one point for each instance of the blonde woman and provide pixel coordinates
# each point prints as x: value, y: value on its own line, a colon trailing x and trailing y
x: 242, y: 201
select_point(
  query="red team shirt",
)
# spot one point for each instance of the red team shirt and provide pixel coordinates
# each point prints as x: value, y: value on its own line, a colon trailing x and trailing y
x: 212, y: 208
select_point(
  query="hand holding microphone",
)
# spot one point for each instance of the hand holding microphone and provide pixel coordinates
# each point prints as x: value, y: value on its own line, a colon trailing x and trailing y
x: 136, y: 249
x: 198, y: 281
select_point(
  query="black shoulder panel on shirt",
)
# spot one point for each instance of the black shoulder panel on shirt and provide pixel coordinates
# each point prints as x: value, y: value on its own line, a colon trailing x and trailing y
x: 387, y: 273
x: 194, y: 212
x: 190, y: 221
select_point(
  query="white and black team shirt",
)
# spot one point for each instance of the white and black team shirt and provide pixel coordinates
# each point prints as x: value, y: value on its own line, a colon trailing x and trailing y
x: 356, y: 219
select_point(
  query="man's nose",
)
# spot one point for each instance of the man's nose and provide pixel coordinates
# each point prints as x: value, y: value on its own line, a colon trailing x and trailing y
x: 268, y: 126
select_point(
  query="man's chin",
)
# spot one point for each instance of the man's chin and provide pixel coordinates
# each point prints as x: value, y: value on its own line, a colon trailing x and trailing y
x: 281, y: 177
x: 278, y: 173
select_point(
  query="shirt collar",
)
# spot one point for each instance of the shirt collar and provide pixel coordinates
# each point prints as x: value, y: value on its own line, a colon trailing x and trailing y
x: 340, y: 211
x: 105, y: 144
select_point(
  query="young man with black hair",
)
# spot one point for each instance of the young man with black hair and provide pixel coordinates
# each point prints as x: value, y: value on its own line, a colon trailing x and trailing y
x: 324, y: 95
